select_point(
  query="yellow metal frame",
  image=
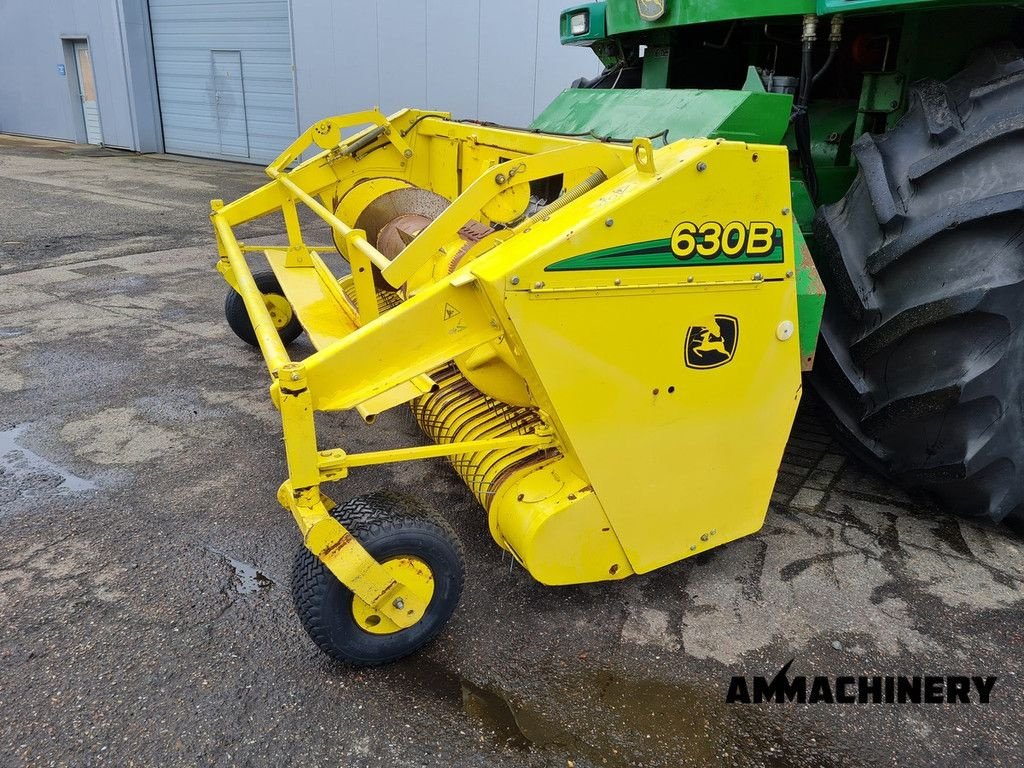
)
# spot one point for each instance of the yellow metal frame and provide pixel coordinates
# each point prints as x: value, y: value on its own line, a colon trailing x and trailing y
x: 300, y: 388
x: 370, y: 360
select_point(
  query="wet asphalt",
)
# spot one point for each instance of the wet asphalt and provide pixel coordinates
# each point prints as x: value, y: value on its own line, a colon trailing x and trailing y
x: 145, y: 613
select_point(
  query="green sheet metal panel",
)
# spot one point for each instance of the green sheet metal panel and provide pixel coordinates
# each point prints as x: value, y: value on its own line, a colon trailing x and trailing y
x: 625, y: 114
x: 624, y: 15
x: 848, y: 6
x: 810, y: 300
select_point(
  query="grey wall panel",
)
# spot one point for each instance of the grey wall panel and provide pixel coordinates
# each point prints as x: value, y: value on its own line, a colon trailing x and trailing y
x: 140, y: 74
x: 336, y: 57
x: 453, y: 57
x: 477, y: 58
x: 557, y: 65
x: 34, y: 98
x: 354, y: 81
x: 316, y: 82
x: 186, y: 33
x: 508, y: 55
x: 402, y: 54
x: 487, y: 59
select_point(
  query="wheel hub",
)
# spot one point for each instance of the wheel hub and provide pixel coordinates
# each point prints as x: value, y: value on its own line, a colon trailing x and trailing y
x: 280, y: 309
x: 417, y: 578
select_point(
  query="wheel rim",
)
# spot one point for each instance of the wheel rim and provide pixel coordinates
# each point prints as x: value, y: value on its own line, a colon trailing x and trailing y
x: 418, y: 579
x: 280, y: 309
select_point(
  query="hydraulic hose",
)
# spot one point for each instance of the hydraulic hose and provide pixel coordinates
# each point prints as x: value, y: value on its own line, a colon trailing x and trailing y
x: 801, y: 122
x: 801, y: 118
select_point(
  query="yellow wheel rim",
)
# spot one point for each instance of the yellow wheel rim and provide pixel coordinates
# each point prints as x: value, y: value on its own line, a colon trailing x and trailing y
x: 415, y: 575
x: 280, y: 309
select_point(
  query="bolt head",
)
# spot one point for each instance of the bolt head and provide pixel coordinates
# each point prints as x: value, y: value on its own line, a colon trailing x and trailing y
x: 399, y: 603
x: 618, y: 281
x: 758, y: 276
x: 689, y: 279
x: 609, y: 222
x: 539, y: 284
x: 515, y: 281
x: 701, y: 167
x: 703, y: 537
x: 785, y: 211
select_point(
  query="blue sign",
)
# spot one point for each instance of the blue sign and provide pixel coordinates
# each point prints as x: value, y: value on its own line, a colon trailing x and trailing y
x: 61, y: 70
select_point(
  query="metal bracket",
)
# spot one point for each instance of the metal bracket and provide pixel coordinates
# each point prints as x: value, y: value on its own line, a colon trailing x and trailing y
x: 643, y: 155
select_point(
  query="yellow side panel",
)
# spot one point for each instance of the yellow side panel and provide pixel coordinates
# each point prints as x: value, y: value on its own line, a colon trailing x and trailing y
x: 674, y: 454
x: 674, y: 386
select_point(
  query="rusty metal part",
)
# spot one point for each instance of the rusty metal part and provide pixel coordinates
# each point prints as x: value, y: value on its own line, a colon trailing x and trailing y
x: 472, y: 234
x: 400, y: 202
x: 399, y: 232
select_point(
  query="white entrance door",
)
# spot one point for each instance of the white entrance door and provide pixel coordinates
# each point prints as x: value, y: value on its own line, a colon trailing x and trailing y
x: 87, y: 90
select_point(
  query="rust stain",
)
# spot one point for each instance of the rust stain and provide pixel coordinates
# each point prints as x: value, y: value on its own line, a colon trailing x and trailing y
x: 340, y: 544
x: 807, y: 268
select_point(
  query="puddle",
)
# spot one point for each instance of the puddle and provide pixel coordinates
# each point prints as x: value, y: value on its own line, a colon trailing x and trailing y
x: 32, y: 475
x: 497, y: 714
x: 613, y: 720
x: 95, y: 270
x: 246, y: 578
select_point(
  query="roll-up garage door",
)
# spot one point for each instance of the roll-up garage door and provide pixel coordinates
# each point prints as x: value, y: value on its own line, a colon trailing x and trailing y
x: 224, y: 74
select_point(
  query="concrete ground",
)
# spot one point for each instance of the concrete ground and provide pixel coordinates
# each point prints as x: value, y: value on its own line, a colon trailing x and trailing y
x: 145, y: 614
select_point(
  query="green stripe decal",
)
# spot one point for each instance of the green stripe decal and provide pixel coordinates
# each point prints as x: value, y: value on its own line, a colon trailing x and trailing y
x: 656, y: 254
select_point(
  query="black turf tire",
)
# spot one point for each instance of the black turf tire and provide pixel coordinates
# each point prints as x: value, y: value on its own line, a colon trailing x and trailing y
x: 388, y: 525
x: 922, y: 353
x: 238, y: 318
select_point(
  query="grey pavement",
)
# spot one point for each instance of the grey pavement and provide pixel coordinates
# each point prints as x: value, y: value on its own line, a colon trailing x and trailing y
x: 145, y: 613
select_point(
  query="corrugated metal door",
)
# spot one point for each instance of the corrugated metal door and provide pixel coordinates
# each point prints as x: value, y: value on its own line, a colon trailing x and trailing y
x: 224, y: 75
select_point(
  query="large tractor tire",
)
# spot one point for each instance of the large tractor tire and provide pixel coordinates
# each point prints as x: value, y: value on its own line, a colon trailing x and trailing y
x: 922, y: 360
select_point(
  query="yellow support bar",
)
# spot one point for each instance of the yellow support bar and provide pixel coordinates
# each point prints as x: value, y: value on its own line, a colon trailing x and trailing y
x: 421, y: 334
x: 339, y: 226
x: 403, y: 393
x: 325, y: 537
x: 266, y: 332
x: 326, y: 134
x: 336, y: 462
x: 488, y: 186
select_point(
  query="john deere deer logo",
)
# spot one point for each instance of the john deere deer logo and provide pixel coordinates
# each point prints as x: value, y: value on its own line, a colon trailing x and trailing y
x: 651, y: 10
x: 714, y: 344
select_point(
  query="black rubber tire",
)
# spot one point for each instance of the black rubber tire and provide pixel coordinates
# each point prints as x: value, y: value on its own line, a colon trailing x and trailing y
x: 388, y: 525
x: 922, y: 353
x: 238, y: 318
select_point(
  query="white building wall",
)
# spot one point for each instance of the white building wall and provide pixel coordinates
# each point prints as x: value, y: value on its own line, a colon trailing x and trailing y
x: 36, y: 100
x: 487, y: 59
